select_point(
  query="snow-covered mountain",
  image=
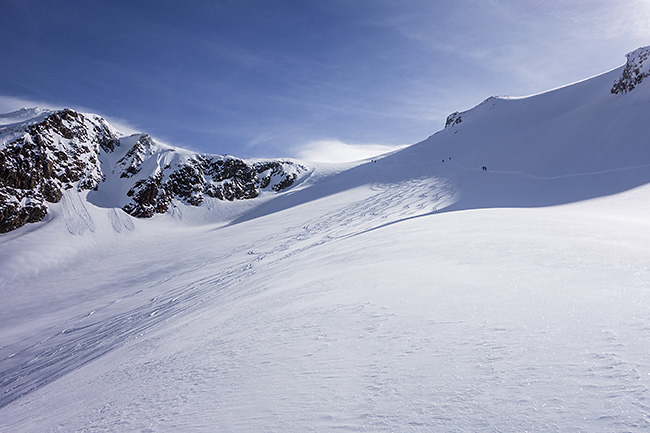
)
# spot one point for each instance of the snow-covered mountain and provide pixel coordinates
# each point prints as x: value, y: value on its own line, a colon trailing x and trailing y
x: 45, y: 152
x: 493, y: 277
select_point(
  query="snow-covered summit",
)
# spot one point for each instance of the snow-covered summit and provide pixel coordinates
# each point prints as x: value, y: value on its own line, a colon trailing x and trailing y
x: 567, y: 144
x: 24, y: 114
x: 625, y: 79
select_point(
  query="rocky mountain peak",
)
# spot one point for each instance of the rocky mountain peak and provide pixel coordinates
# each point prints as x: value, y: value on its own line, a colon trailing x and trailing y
x: 40, y: 160
x: 52, y: 151
x: 637, y: 68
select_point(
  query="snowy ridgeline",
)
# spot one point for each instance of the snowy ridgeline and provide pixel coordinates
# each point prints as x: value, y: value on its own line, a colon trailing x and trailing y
x: 580, y: 129
x: 420, y: 292
x: 47, y: 152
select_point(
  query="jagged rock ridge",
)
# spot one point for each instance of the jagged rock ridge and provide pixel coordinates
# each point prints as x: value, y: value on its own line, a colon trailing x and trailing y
x: 224, y: 178
x: 65, y: 150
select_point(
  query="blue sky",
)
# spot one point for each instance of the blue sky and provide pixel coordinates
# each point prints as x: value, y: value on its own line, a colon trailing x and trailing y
x: 327, y: 79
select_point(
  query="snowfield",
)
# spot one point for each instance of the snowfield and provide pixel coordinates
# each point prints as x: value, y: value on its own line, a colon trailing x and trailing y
x: 415, y: 293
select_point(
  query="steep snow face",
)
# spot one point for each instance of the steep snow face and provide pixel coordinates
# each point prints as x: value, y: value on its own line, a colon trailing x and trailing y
x: 636, y: 70
x: 573, y: 143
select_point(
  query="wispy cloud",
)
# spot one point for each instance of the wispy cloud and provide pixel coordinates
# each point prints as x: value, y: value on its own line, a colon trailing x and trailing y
x: 333, y: 150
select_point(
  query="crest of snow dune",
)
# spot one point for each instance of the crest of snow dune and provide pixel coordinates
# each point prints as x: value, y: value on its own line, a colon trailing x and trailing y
x: 636, y: 70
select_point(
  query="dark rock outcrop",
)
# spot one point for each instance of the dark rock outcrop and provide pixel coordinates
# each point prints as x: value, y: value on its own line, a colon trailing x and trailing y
x: 224, y: 178
x: 453, y: 119
x: 130, y: 163
x: 637, y: 68
x: 149, y: 197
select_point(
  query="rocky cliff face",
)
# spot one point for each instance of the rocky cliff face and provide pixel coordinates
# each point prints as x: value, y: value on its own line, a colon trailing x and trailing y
x: 224, y: 178
x: 42, y: 159
x: 66, y: 150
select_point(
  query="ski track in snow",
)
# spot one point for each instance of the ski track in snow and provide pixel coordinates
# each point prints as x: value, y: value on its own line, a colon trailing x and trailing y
x: 120, y: 221
x: 76, y: 216
x: 490, y: 354
x: 83, y: 339
x: 367, y: 391
x: 608, y: 378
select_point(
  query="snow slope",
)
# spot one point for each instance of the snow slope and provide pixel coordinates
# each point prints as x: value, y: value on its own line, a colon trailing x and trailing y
x: 573, y: 143
x: 407, y: 294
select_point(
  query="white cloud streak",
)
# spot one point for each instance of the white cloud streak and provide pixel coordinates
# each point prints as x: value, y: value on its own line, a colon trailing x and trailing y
x: 333, y: 150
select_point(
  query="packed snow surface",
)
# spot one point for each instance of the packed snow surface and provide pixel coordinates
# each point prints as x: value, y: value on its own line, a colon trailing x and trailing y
x: 420, y: 292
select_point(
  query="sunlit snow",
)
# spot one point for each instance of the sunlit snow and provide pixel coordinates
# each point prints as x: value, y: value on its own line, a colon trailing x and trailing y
x: 494, y: 277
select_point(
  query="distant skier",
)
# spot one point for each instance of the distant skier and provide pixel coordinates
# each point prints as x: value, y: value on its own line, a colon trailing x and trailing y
x: 484, y: 168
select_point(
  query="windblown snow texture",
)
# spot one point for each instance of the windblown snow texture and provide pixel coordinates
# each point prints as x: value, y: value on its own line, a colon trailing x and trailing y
x: 493, y: 277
